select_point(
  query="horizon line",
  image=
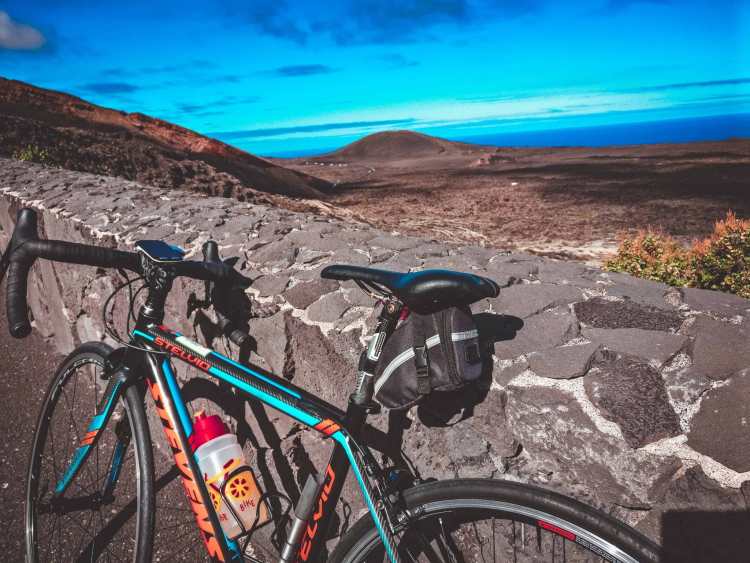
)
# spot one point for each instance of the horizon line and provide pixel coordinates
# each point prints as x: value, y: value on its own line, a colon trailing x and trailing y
x: 474, y: 139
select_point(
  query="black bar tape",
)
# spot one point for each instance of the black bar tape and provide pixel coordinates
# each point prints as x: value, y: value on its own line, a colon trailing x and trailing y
x: 27, y: 252
x: 18, y: 310
x: 211, y: 271
x: 74, y: 253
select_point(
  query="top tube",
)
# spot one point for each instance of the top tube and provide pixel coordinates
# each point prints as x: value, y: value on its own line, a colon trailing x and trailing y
x: 250, y: 378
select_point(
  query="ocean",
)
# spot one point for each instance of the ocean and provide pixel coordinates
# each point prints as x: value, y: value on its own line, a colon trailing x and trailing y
x: 714, y: 128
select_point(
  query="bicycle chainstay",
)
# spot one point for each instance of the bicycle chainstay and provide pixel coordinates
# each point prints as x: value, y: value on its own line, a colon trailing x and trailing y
x: 377, y: 492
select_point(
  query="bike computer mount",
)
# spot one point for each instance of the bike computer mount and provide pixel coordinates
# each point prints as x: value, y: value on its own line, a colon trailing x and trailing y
x: 160, y: 251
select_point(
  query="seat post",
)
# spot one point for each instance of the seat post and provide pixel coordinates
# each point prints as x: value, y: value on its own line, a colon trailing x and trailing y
x: 368, y: 361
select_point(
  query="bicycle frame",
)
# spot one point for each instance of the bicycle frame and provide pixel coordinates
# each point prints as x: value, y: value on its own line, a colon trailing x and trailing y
x: 255, y: 383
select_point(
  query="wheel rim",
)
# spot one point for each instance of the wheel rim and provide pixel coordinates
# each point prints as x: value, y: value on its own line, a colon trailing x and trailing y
x: 547, y: 536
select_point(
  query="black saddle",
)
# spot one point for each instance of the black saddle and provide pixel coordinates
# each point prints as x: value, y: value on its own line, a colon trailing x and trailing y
x: 424, y: 292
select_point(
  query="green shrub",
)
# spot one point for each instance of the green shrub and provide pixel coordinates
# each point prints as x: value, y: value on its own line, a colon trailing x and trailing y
x: 32, y: 153
x: 722, y: 261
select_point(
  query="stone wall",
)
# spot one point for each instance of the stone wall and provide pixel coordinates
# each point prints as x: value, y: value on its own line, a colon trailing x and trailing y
x: 625, y: 393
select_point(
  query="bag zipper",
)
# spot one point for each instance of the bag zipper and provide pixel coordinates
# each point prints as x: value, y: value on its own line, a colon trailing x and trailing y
x: 446, y: 343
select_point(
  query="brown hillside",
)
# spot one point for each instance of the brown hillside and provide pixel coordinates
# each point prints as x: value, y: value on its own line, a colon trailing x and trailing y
x: 81, y: 136
x: 574, y: 201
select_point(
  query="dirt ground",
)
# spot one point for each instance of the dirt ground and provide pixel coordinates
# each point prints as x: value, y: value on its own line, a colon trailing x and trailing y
x: 567, y: 202
x: 24, y: 377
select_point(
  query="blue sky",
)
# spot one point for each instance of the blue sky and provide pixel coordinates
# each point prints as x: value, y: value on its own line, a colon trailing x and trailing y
x: 282, y: 76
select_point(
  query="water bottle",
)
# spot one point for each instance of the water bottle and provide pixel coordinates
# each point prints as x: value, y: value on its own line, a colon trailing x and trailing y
x: 234, y: 491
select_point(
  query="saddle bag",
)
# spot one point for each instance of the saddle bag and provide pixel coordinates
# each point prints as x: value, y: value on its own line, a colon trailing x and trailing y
x: 438, y: 352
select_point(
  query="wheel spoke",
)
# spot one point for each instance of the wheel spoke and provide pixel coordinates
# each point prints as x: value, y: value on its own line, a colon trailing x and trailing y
x: 79, y: 547
x: 447, y: 546
x: 494, y: 541
x: 68, y: 456
x: 96, y: 404
x: 429, y: 552
x: 52, y: 535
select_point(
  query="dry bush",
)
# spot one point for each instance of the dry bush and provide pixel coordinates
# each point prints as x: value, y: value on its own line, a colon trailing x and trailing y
x: 721, y: 261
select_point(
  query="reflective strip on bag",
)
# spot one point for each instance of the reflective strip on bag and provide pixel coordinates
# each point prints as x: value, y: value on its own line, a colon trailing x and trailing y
x: 466, y: 335
x: 408, y: 354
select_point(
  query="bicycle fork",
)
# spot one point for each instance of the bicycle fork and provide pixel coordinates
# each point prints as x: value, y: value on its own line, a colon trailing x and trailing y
x: 116, y: 383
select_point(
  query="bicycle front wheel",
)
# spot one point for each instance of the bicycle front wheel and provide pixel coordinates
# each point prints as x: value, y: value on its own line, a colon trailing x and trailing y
x: 107, y: 513
x: 481, y: 520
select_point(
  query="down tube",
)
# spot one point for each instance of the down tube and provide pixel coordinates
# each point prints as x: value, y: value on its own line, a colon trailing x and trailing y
x: 171, y: 411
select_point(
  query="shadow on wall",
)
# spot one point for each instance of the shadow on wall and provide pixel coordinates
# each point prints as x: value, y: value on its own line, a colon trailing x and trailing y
x: 279, y: 486
x: 703, y: 537
x: 450, y: 408
x: 444, y: 409
x: 279, y: 473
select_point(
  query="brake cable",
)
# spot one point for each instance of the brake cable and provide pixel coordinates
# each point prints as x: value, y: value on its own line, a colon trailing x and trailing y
x: 109, y: 327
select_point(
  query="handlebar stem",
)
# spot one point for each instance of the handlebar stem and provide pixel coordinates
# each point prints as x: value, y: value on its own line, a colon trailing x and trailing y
x: 159, y: 278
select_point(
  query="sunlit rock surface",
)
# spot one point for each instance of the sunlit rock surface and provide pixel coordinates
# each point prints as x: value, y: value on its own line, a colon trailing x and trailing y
x: 627, y: 394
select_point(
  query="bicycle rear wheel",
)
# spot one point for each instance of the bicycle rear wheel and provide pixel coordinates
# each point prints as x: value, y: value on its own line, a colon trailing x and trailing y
x: 86, y: 524
x: 486, y: 521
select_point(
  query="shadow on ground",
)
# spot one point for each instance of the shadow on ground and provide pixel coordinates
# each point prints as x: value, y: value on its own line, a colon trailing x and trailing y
x: 706, y: 537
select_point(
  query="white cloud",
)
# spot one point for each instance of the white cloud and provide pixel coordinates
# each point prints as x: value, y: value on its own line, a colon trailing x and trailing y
x: 14, y: 35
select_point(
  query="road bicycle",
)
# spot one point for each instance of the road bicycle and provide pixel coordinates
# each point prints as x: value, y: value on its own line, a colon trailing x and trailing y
x: 90, y: 495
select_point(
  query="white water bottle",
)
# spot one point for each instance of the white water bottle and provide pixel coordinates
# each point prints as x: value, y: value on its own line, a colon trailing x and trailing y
x: 234, y: 491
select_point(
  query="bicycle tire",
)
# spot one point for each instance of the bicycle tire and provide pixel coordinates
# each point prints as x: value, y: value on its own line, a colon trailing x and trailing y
x: 528, y: 503
x: 138, y: 531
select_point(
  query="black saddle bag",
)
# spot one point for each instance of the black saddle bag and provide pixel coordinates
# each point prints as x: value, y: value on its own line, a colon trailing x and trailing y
x: 438, y: 352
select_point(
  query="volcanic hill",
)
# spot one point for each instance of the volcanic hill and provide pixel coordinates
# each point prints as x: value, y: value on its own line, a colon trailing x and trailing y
x: 78, y: 135
x: 400, y: 145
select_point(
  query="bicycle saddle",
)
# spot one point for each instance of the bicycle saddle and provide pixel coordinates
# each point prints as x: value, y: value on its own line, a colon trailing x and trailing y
x: 424, y: 292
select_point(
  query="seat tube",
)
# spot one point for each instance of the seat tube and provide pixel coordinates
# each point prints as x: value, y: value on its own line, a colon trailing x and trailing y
x: 368, y: 361
x: 165, y: 402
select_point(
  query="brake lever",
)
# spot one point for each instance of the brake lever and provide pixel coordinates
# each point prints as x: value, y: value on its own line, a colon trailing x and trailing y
x: 194, y: 304
x: 211, y: 254
x: 231, y: 261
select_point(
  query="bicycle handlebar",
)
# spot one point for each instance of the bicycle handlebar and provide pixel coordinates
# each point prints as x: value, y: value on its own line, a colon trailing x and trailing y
x: 25, y: 247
